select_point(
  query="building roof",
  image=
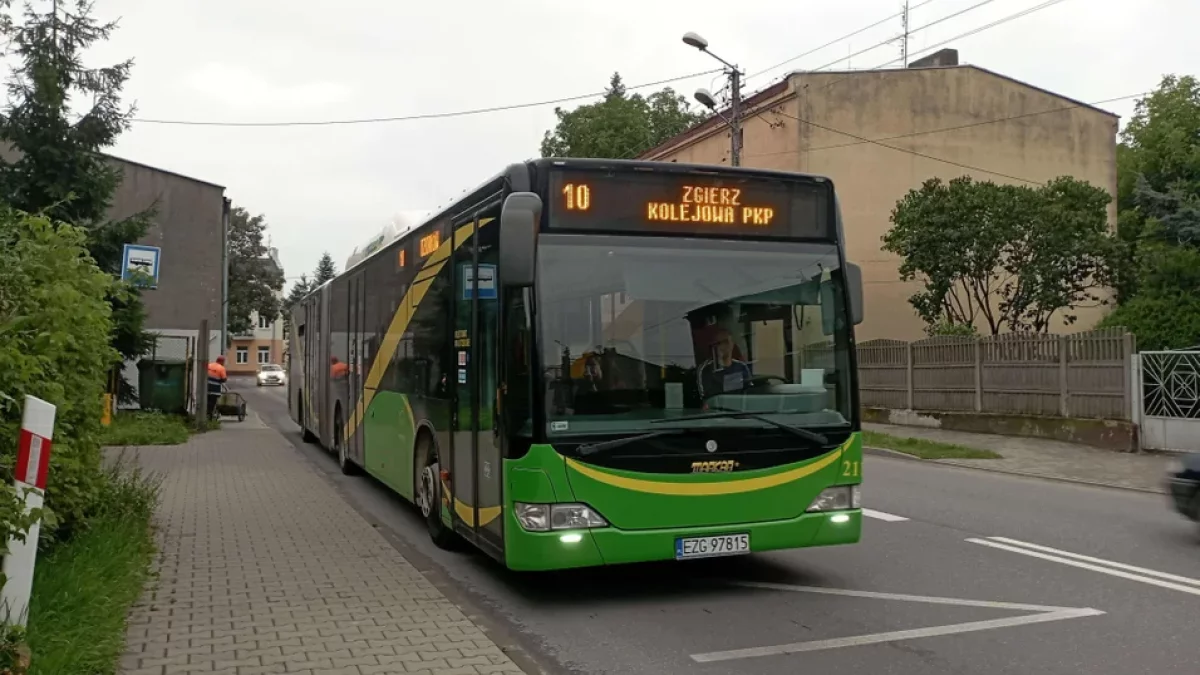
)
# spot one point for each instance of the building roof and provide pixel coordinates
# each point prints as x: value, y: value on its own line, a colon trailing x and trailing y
x: 162, y: 170
x: 771, y: 92
x: 961, y: 66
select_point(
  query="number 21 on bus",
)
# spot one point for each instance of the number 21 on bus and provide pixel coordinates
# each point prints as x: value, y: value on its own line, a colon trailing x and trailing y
x: 579, y: 197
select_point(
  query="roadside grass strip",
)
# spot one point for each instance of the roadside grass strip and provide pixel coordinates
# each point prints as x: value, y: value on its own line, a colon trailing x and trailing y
x: 924, y: 449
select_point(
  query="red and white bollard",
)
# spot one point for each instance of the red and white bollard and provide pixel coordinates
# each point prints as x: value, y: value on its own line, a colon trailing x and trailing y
x: 33, y: 460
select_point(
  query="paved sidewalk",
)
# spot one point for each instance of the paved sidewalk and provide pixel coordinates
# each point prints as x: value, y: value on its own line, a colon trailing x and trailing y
x: 1046, y: 458
x: 264, y: 568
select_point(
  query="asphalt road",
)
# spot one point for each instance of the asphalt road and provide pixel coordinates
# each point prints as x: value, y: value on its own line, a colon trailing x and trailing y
x: 959, y: 571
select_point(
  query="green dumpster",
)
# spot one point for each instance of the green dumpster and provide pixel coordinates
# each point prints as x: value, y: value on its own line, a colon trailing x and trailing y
x: 162, y: 385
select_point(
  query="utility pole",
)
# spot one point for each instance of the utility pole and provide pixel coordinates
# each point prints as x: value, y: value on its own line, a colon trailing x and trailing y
x: 735, y: 112
x: 904, y: 38
x: 225, y: 209
x: 735, y: 108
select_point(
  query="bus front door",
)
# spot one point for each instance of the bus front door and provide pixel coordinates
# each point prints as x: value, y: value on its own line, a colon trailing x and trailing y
x: 477, y: 469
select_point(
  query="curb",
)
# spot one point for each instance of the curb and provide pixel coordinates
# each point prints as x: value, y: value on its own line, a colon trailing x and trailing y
x: 894, y: 454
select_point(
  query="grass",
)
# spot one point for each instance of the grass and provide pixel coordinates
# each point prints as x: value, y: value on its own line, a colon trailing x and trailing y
x: 146, y: 428
x: 83, y: 588
x: 919, y: 447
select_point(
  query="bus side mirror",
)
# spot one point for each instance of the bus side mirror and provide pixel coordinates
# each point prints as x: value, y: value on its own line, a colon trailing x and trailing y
x: 854, y: 288
x: 852, y: 274
x: 519, y: 220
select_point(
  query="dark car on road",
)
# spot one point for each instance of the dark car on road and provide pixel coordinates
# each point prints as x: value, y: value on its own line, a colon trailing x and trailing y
x: 1183, y: 479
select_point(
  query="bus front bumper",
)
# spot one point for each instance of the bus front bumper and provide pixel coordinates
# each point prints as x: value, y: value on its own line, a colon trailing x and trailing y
x: 534, y: 551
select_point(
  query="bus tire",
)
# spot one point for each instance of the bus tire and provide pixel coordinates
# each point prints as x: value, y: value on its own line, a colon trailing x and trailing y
x: 428, y: 493
x: 305, y: 435
x: 347, y: 465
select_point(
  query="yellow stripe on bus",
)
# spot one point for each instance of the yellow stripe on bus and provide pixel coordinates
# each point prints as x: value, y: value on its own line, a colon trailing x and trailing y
x: 728, y: 487
x: 403, y: 316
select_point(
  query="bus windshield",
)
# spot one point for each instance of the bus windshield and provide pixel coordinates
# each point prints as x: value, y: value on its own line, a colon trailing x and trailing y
x: 636, y: 331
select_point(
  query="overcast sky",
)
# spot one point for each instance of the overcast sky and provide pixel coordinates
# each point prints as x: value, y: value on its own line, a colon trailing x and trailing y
x: 332, y: 187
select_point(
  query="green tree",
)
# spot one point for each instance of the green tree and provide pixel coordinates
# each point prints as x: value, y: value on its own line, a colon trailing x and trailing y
x: 299, y: 290
x: 619, y: 125
x: 58, y: 169
x: 1005, y: 256
x: 1158, y: 279
x: 254, y: 279
x: 1060, y: 257
x: 54, y: 344
x: 325, y: 271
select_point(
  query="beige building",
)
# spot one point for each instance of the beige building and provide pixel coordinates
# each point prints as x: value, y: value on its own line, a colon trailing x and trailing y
x: 264, y: 343
x: 941, y: 119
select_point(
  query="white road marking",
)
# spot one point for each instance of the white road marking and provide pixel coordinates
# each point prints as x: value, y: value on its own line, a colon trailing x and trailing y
x: 1041, y: 614
x: 1099, y: 561
x: 901, y: 597
x: 1103, y: 566
x: 880, y: 515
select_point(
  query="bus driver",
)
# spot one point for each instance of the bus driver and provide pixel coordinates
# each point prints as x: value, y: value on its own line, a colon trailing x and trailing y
x: 722, y: 373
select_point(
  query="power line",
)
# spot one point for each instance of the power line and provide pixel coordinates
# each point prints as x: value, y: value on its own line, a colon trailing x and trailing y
x: 911, y: 32
x: 424, y: 116
x: 969, y: 33
x: 569, y: 99
x: 833, y: 42
x: 956, y: 127
x: 911, y: 152
x: 1011, y: 17
x: 861, y: 139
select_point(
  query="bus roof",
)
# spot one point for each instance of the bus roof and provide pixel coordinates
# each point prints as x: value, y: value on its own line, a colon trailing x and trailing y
x: 513, y: 173
x: 646, y: 165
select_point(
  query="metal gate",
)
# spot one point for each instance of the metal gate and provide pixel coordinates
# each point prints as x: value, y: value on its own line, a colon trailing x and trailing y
x: 1169, y: 414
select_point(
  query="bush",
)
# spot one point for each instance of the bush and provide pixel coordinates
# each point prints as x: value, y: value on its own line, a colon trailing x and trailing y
x: 1159, y: 321
x: 55, y: 326
x: 1165, y: 313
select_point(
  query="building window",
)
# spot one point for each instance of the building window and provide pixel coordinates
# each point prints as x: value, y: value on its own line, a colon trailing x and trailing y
x: 243, y: 355
x: 264, y: 355
x: 263, y: 322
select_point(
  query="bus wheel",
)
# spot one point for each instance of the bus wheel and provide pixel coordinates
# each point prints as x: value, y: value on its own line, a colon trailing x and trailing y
x: 339, y: 445
x: 305, y: 435
x: 429, y: 497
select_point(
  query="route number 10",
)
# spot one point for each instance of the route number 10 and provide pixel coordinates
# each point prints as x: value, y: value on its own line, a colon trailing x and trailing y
x: 579, y: 197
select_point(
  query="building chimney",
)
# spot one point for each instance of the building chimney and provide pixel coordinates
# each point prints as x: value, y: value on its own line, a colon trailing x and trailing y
x: 942, y: 57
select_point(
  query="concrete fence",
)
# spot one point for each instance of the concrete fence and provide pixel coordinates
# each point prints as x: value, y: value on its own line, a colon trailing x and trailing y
x: 1084, y: 375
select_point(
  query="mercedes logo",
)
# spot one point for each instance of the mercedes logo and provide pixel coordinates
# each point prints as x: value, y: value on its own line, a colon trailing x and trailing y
x: 711, y: 446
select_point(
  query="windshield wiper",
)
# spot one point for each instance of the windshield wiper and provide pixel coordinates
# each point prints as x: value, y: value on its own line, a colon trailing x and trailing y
x: 731, y: 413
x: 602, y: 446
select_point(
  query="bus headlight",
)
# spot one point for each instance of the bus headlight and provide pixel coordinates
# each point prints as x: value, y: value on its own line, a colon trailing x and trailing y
x: 838, y: 498
x: 547, y: 517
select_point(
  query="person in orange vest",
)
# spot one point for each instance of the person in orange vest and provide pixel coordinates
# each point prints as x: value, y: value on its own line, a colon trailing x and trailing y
x: 337, y: 369
x: 216, y: 377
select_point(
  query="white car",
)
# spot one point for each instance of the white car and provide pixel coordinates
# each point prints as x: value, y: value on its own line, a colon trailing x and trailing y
x: 271, y: 375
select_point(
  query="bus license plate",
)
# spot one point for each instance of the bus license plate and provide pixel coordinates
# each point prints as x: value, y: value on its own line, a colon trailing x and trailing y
x: 708, y: 547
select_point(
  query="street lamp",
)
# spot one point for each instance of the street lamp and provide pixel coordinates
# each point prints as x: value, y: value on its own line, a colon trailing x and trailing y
x: 706, y: 99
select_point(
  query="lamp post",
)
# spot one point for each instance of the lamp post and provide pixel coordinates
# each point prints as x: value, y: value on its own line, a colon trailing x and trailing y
x: 735, y: 108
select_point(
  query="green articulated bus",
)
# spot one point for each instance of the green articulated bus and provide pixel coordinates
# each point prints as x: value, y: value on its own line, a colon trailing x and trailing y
x: 588, y: 362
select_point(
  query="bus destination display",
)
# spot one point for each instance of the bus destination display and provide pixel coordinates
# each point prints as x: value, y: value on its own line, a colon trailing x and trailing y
x: 664, y: 203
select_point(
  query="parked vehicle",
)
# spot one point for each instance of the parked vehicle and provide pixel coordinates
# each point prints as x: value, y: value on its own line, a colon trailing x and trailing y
x: 1183, y: 479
